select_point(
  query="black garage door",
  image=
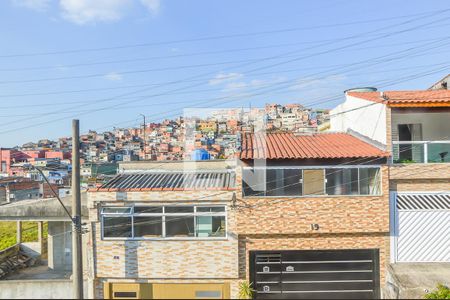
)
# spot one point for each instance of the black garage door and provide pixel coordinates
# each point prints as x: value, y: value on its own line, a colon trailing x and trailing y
x: 315, y: 274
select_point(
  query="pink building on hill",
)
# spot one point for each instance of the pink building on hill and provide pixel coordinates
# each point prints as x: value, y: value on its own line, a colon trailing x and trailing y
x: 10, y: 156
x: 58, y: 154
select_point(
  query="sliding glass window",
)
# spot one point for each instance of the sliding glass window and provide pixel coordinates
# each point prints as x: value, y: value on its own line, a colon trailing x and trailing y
x: 291, y: 181
x: 159, y: 222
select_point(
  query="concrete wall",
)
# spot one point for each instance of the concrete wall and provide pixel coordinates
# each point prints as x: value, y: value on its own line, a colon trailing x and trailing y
x: 2, y: 195
x: 60, y: 246
x: 365, y: 117
x: 37, y: 289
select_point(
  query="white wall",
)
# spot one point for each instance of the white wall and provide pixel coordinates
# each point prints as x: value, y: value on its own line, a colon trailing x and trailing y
x: 365, y: 117
x: 435, y: 125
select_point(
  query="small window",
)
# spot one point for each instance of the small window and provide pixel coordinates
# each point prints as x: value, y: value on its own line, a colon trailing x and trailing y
x: 254, y: 182
x: 369, y: 181
x: 313, y: 182
x: 275, y: 182
x: 180, y: 226
x: 148, y: 227
x: 210, y: 226
x: 125, y: 294
x: 117, y: 227
x: 179, y: 209
x: 342, y: 181
x: 208, y: 294
x: 292, y: 182
x: 148, y: 209
x: 211, y: 209
x: 149, y: 222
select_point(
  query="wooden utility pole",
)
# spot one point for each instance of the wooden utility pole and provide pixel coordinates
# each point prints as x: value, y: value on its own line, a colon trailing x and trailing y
x: 77, y: 260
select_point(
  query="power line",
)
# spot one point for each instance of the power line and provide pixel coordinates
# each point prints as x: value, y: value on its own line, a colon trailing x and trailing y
x: 99, y: 75
x: 388, y: 34
x: 203, y: 90
x: 147, y: 84
x: 324, y: 101
x: 215, y: 37
x: 113, y: 99
x: 351, y: 37
x: 52, y: 67
x: 178, y: 93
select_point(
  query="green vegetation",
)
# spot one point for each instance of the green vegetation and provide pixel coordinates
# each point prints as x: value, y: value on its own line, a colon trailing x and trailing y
x: 441, y: 292
x: 8, y: 233
x: 245, y: 290
x: 405, y: 161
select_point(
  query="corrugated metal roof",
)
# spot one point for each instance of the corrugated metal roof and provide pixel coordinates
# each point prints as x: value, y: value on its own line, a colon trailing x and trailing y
x: 290, y: 146
x: 179, y: 180
x: 407, y: 98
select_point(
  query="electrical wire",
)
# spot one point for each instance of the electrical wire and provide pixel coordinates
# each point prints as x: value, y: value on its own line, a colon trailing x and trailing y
x: 385, y: 35
x: 216, y: 37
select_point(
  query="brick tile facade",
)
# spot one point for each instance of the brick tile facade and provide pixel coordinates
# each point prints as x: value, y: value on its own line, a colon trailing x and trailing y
x: 420, y: 171
x: 345, y: 222
x: 164, y: 261
x: 420, y: 177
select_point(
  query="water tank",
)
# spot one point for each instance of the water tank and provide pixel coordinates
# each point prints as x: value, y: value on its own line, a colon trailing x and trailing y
x: 200, y: 154
x: 361, y: 89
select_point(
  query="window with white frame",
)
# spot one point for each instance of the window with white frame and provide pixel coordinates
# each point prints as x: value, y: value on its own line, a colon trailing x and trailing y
x: 156, y: 222
x: 314, y: 181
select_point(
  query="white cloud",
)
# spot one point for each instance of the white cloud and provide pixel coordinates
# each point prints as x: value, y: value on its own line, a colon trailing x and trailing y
x: 91, y: 11
x: 37, y: 5
x: 225, y: 77
x: 151, y: 5
x: 113, y: 76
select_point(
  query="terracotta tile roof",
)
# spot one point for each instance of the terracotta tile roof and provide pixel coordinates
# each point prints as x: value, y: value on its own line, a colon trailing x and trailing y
x: 430, y: 98
x: 291, y: 146
x: 171, y: 181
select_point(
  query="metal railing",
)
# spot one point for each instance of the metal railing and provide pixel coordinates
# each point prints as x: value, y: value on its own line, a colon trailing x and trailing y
x: 421, y: 151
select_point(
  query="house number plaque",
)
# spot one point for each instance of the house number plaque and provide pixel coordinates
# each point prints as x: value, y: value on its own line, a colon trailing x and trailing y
x: 315, y: 226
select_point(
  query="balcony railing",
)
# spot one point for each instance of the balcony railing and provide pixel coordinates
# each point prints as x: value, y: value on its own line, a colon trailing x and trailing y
x: 421, y: 152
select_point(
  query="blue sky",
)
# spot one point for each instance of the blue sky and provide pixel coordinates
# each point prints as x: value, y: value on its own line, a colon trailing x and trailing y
x: 107, y: 61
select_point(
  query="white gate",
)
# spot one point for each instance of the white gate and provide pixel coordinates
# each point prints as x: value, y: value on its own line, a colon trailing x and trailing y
x: 421, y: 227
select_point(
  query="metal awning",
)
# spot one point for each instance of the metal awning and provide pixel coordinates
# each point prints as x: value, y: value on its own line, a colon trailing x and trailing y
x: 177, y: 180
